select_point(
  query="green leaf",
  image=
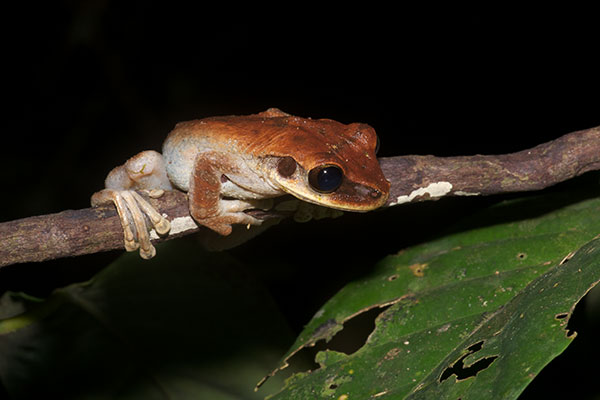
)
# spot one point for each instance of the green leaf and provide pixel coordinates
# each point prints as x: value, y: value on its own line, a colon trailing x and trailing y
x: 186, y: 324
x: 473, y: 315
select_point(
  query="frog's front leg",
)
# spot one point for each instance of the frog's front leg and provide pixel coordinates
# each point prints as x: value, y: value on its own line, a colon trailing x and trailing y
x: 207, y: 203
x: 145, y: 171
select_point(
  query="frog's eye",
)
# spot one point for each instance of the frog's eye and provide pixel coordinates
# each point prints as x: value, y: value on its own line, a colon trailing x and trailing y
x: 326, y: 178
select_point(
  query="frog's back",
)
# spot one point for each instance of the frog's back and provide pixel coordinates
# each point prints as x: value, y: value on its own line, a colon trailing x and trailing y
x: 229, y: 135
x: 270, y: 133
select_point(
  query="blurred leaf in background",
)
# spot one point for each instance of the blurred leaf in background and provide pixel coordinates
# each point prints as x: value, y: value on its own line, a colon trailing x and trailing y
x: 187, y: 324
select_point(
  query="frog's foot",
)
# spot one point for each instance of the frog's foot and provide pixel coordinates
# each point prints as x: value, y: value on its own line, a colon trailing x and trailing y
x: 304, y: 212
x: 232, y: 212
x: 133, y: 210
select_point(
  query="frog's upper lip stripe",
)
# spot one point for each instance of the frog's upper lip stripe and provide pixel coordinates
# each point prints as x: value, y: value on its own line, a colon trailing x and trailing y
x: 319, y: 199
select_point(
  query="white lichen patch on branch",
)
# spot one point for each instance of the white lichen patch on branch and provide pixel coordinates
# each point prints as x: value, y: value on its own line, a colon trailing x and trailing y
x: 436, y: 189
x: 178, y: 225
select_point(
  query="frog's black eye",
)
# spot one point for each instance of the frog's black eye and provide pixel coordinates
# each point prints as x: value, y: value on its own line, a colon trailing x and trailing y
x: 326, y: 178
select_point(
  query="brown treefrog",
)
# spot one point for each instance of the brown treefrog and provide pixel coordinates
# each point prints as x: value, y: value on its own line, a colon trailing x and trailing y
x: 228, y: 165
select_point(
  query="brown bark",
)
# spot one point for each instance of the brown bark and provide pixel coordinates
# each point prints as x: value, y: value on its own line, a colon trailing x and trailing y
x: 534, y: 169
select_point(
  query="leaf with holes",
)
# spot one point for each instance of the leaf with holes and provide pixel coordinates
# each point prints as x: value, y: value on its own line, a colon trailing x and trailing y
x: 476, y: 314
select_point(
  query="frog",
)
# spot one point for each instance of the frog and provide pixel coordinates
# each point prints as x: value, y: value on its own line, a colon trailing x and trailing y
x: 228, y: 165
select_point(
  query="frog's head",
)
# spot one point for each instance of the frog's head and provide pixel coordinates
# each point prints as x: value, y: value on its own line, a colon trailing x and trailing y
x: 327, y: 163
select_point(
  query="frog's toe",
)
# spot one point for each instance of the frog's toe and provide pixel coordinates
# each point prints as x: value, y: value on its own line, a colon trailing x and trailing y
x: 160, y: 223
x: 222, y: 224
x: 131, y: 208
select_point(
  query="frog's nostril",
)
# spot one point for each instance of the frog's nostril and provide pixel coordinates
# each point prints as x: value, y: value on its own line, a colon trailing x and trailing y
x: 375, y: 193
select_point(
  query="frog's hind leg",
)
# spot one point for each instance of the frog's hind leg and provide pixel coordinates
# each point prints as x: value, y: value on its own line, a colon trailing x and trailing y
x: 146, y: 172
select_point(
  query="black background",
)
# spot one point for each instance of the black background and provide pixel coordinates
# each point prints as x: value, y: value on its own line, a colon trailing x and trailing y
x: 88, y: 84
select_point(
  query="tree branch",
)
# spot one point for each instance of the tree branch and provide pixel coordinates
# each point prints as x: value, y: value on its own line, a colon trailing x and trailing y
x: 413, y: 178
x: 418, y: 178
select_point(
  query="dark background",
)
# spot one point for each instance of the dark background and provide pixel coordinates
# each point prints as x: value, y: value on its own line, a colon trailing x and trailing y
x: 88, y: 84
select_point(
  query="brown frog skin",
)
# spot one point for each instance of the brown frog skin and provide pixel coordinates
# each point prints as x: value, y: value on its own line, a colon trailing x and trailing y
x: 231, y: 164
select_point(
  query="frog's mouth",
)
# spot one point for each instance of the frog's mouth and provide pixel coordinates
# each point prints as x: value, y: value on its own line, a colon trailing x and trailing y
x: 348, y: 197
